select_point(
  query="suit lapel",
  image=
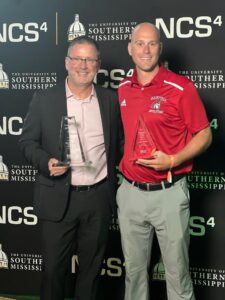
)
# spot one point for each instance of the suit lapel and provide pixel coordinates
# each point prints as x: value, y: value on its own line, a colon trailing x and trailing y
x: 104, y: 106
x: 60, y: 106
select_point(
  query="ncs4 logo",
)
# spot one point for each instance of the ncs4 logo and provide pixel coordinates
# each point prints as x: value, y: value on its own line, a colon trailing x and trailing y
x: 18, y: 32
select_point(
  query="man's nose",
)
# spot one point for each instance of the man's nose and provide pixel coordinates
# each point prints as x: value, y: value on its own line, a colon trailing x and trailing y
x: 83, y: 63
x: 146, y: 48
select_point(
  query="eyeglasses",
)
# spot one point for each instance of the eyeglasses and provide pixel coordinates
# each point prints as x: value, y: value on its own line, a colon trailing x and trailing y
x: 78, y: 60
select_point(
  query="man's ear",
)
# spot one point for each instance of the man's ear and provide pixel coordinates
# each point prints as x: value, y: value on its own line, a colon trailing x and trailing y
x: 129, y: 48
x: 66, y: 63
x: 161, y: 47
x: 99, y: 64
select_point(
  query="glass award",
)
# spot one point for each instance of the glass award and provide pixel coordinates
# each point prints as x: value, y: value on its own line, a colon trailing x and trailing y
x: 72, y: 151
x: 143, y: 144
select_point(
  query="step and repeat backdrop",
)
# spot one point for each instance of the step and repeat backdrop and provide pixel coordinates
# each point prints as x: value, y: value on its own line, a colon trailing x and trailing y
x: 34, y: 37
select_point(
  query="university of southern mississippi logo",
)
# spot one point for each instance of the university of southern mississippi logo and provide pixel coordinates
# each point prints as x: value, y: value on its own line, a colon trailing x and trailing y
x: 155, y: 106
x: 3, y: 259
x: 159, y: 271
x: 76, y: 29
x: 4, y: 80
x: 4, y: 172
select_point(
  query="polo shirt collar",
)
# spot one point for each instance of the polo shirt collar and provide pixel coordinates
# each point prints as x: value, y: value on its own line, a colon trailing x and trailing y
x: 159, y: 77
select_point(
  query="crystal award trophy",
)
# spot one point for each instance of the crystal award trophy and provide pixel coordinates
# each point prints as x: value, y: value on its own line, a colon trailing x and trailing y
x: 143, y: 144
x: 71, y: 148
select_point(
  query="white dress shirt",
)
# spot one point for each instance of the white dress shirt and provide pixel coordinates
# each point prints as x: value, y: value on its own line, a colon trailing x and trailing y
x: 89, y: 124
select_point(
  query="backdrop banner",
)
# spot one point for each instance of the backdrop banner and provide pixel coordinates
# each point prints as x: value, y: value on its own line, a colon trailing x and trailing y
x: 34, y: 37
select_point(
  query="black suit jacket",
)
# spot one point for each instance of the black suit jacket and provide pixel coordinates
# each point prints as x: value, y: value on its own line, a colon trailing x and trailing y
x: 40, y: 141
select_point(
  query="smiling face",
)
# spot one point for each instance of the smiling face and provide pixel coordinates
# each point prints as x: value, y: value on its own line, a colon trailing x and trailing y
x: 145, y: 48
x: 82, y: 69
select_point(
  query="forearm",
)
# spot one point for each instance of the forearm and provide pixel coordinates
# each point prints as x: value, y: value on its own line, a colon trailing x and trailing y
x: 162, y: 161
x: 30, y: 141
x: 34, y: 155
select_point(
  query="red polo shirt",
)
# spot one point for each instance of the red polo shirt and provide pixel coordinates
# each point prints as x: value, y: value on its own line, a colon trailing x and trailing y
x: 173, y: 112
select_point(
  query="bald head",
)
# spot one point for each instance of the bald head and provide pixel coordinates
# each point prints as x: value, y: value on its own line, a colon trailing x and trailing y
x: 145, y: 27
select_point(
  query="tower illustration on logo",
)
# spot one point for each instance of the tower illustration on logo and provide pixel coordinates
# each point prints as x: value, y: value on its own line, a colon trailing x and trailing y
x: 75, y: 29
x: 4, y: 173
x: 3, y: 259
x: 4, y: 80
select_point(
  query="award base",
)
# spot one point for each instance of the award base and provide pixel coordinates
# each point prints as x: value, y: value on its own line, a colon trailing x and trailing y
x: 81, y: 164
x: 61, y: 164
x: 142, y: 155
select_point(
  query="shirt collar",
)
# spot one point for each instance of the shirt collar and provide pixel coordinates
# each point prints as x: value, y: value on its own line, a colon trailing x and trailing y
x: 159, y: 77
x: 70, y: 96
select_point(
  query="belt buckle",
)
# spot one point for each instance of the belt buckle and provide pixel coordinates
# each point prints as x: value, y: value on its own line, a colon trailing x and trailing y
x: 148, y: 186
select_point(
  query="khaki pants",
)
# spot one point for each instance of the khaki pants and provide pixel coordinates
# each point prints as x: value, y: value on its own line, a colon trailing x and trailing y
x: 166, y: 213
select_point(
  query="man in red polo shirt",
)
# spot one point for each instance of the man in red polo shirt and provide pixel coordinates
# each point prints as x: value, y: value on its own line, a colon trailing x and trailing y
x: 163, y: 113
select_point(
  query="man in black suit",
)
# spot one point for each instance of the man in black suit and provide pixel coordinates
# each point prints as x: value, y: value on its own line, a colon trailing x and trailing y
x: 74, y: 203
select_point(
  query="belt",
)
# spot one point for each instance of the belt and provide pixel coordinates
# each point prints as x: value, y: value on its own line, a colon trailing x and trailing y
x: 149, y: 186
x: 84, y: 188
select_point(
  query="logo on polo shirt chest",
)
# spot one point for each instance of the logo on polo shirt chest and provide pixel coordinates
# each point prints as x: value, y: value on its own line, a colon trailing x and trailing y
x: 123, y: 102
x: 155, y: 105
